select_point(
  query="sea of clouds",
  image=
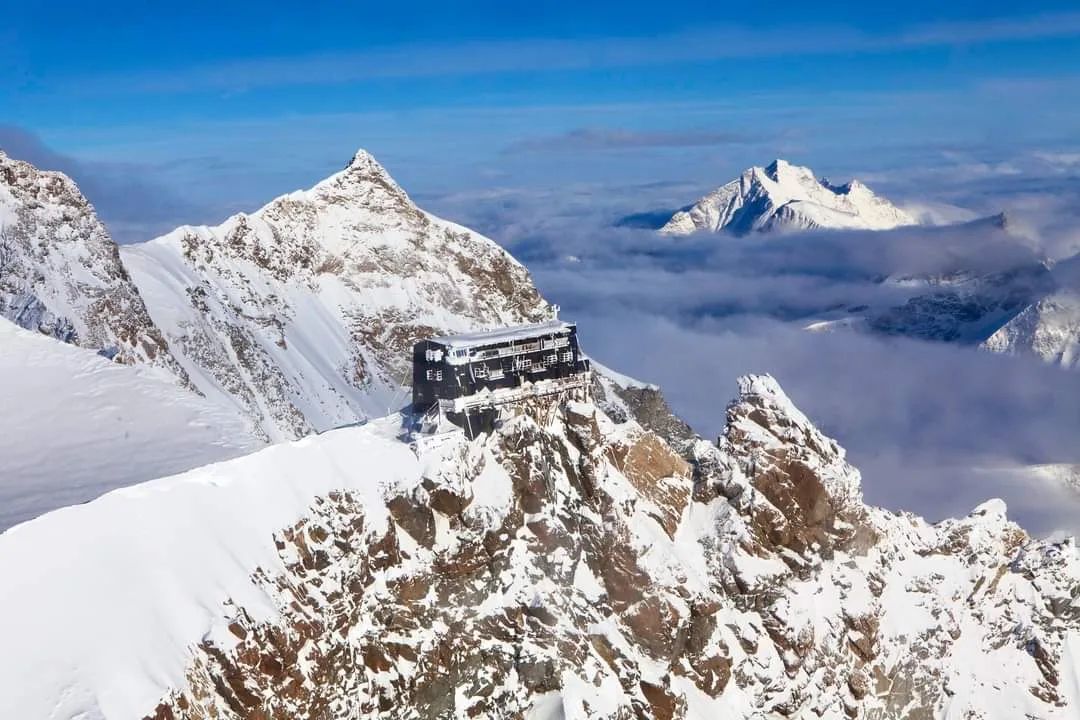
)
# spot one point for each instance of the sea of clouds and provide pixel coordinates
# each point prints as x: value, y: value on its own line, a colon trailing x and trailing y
x: 936, y: 428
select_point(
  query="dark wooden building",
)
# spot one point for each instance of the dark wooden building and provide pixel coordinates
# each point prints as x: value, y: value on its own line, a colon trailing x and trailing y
x: 466, y: 378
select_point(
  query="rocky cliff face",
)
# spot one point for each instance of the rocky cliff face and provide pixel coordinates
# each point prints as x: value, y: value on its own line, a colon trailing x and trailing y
x: 303, y: 313
x: 61, y: 274
x: 1048, y: 329
x: 963, y: 307
x: 571, y: 566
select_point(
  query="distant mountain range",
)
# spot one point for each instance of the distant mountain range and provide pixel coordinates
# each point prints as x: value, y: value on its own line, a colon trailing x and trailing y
x: 1027, y: 309
x: 782, y: 197
x: 295, y: 314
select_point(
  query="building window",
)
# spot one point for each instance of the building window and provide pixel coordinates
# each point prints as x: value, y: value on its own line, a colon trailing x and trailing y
x: 568, y: 356
x: 433, y: 355
x: 551, y: 359
x: 434, y: 375
x: 480, y: 371
x: 522, y: 363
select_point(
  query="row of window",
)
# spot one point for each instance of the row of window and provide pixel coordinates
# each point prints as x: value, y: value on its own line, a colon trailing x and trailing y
x: 436, y: 355
x: 523, y: 363
x: 481, y: 371
x: 507, y: 350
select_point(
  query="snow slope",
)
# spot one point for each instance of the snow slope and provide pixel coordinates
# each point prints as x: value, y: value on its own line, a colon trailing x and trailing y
x: 564, y: 566
x: 302, y: 314
x: 75, y: 425
x: 783, y: 196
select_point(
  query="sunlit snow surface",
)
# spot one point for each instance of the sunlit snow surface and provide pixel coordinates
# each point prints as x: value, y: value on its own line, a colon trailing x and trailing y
x: 786, y: 197
x: 74, y: 425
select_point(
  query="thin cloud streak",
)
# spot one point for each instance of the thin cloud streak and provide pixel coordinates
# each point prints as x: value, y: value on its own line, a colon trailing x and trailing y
x: 584, y: 139
x: 554, y: 54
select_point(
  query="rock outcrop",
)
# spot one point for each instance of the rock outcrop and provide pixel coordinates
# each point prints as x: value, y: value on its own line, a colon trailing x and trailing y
x: 613, y: 579
x: 61, y: 274
x: 1048, y: 329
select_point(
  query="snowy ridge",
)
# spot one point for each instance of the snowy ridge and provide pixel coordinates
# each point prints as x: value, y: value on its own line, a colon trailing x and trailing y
x: 564, y: 566
x: 163, y: 554
x: 783, y: 196
x: 302, y: 314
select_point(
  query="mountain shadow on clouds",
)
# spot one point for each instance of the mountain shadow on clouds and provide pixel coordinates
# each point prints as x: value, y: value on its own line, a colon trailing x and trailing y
x: 648, y: 220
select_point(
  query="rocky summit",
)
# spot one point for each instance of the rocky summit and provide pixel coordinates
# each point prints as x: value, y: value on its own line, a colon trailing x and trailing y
x: 61, y: 273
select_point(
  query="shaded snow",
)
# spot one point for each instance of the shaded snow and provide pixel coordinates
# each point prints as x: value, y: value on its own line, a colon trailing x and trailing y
x: 75, y: 425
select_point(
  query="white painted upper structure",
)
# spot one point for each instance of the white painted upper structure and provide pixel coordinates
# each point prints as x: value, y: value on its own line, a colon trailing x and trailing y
x: 498, y: 336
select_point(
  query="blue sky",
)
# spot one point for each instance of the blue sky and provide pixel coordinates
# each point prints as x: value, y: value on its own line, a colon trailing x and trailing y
x: 215, y: 108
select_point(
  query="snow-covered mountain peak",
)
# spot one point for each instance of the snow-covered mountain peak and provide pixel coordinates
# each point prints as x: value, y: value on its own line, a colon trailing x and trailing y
x: 767, y: 431
x: 782, y: 172
x: 1048, y: 328
x: 44, y: 185
x: 993, y: 509
x: 761, y: 386
x: 853, y: 188
x: 359, y: 181
x: 303, y: 312
x: 783, y: 196
x: 365, y: 163
x: 762, y: 393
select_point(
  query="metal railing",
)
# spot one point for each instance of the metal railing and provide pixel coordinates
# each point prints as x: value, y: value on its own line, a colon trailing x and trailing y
x: 487, y: 398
